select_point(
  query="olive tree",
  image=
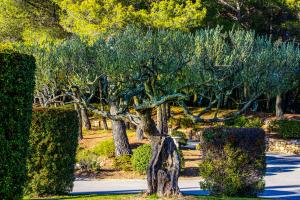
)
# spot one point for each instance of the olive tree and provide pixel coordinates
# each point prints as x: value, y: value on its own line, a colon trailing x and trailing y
x: 160, y: 66
x: 84, y: 72
x: 147, y: 69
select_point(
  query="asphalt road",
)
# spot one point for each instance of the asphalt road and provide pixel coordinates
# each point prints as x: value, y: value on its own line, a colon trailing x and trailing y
x: 282, y: 181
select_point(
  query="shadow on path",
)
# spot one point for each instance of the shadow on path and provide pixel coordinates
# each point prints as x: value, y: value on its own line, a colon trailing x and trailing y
x: 276, y: 164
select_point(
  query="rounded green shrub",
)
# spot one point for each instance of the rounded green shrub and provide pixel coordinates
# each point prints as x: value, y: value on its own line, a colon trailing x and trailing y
x: 183, y: 140
x: 16, y: 96
x: 52, y: 151
x: 287, y: 129
x: 234, y: 161
x: 105, y: 148
x: 174, y: 122
x: 123, y: 163
x: 141, y: 158
x: 186, y: 123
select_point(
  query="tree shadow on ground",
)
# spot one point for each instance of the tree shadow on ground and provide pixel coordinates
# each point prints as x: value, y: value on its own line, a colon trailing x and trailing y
x: 283, y: 164
x: 276, y: 192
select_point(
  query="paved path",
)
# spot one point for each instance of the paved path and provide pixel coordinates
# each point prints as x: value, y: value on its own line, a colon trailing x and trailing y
x: 282, y: 181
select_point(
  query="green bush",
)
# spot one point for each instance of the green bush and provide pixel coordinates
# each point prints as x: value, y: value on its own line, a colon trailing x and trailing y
x: 174, y: 122
x: 16, y: 96
x: 88, y: 161
x: 183, y: 140
x: 123, y: 163
x: 141, y: 158
x: 105, y: 148
x: 186, y: 123
x: 52, y: 151
x: 244, y: 122
x: 287, y: 129
x: 234, y: 161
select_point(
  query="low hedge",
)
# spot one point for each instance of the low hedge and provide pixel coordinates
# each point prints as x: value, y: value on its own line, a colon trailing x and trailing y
x: 16, y: 96
x: 244, y: 122
x: 287, y: 129
x: 234, y: 161
x: 52, y: 153
x: 105, y: 148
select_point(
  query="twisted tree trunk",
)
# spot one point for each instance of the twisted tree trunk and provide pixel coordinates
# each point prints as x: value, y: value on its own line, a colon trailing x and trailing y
x: 104, y: 122
x: 78, y: 110
x: 85, y: 119
x: 168, y: 110
x: 162, y: 119
x: 279, y: 109
x: 139, y: 133
x: 122, y: 146
x: 100, y: 85
x: 164, y: 166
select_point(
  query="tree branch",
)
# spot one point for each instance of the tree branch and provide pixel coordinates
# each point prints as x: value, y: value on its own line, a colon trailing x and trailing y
x: 155, y: 103
x: 198, y: 119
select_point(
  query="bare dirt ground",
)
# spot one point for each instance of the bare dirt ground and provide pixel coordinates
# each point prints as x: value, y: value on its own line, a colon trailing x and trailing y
x: 93, y: 137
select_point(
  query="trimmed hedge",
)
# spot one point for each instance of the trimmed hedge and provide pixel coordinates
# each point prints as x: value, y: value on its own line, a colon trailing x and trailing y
x: 16, y: 96
x: 287, y: 129
x: 234, y: 161
x: 52, y: 153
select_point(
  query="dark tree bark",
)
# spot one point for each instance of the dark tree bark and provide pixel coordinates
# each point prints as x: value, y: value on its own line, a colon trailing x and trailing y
x: 85, y: 119
x: 162, y: 119
x: 127, y: 125
x: 139, y: 133
x: 104, y: 122
x: 268, y: 103
x: 279, y: 107
x: 80, y: 135
x: 77, y: 108
x: 168, y: 111
x: 122, y: 146
x: 164, y: 166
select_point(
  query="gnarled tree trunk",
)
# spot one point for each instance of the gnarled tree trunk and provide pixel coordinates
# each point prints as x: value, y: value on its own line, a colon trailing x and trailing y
x: 78, y: 110
x: 139, y: 133
x: 104, y: 122
x: 162, y: 119
x: 164, y: 166
x: 85, y: 119
x: 168, y: 110
x: 122, y: 146
x: 279, y: 109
